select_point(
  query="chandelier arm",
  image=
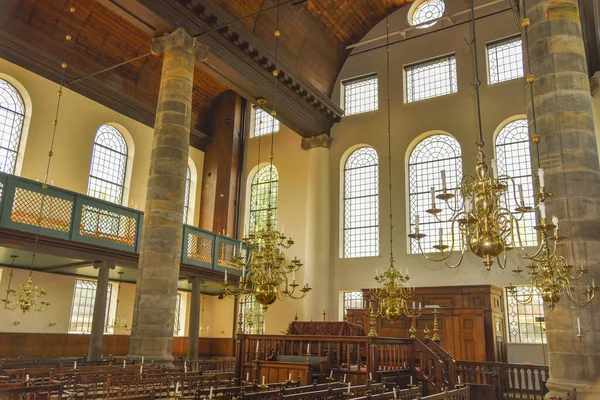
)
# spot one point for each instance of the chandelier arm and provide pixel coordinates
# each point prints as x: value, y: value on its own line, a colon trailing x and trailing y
x: 429, y: 257
x: 460, y: 260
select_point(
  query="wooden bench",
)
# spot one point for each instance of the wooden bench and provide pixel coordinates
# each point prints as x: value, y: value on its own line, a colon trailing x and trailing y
x: 336, y: 393
x: 404, y: 394
x: 457, y: 394
x: 26, y: 391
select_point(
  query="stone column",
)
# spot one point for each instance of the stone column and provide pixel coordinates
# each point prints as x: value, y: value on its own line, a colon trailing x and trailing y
x: 194, y: 325
x: 99, y: 318
x: 318, y: 237
x: 569, y: 157
x: 160, y: 250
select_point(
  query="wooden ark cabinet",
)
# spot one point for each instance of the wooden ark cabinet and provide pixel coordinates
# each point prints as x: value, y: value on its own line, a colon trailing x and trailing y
x: 470, y: 318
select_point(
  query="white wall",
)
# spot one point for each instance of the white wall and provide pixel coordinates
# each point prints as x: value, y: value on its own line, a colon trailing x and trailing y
x: 455, y: 114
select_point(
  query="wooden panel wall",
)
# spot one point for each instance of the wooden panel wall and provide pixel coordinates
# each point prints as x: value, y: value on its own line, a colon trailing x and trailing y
x: 58, y: 345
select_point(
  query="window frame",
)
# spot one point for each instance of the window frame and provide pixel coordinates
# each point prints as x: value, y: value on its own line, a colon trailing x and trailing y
x: 497, y: 43
x: 123, y: 155
x: 362, y: 78
x: 455, y: 160
x: 453, y: 77
x: 252, y: 226
x: 529, y: 219
x: 187, y: 195
x: 539, y: 304
x: 410, y: 16
x: 271, y: 121
x: 110, y: 309
x: 346, y: 252
x: 20, y: 119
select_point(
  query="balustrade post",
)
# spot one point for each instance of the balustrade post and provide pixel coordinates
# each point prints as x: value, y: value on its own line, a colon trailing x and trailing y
x: 373, y: 357
x: 240, y: 339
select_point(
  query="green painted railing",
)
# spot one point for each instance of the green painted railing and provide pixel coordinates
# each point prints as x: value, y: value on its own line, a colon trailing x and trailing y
x: 26, y: 206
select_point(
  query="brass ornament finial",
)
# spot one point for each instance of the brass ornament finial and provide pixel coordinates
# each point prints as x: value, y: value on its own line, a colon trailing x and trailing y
x: 525, y: 22
x: 536, y: 137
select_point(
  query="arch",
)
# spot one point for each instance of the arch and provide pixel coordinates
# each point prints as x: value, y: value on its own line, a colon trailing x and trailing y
x: 263, y: 184
x: 360, y: 197
x: 422, y: 11
x: 430, y: 154
x: 108, y: 169
x: 15, y: 118
x: 513, y: 157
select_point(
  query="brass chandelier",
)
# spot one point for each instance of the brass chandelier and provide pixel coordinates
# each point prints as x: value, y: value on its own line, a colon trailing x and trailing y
x: 481, y: 222
x: 27, y: 297
x: 266, y: 275
x: 391, y: 296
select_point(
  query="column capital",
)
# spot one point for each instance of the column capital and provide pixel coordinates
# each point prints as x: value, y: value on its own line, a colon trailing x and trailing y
x: 196, y: 280
x: 103, y: 264
x: 322, y: 140
x: 180, y: 39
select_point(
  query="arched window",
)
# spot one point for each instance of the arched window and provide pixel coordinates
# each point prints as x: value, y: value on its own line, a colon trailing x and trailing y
x: 263, y: 193
x: 186, y: 197
x: 361, y: 203
x: 514, y: 159
x: 424, y: 11
x: 12, y: 116
x: 109, y: 162
x: 430, y: 156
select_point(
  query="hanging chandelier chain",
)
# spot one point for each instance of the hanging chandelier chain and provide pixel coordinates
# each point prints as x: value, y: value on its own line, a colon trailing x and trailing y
x: 477, y: 83
x: 389, y: 124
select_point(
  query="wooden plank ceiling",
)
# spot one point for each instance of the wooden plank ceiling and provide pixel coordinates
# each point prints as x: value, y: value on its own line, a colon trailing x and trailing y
x: 101, y: 39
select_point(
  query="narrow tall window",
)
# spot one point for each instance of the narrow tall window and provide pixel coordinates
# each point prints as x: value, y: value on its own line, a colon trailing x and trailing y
x: 431, y: 79
x: 430, y: 156
x: 177, y: 320
x: 353, y: 300
x: 253, y: 316
x: 264, y: 123
x: 525, y: 322
x: 82, y: 309
x: 514, y: 159
x: 12, y: 116
x: 186, y: 197
x: 361, y: 95
x: 109, y: 163
x: 361, y: 204
x: 505, y: 60
x: 263, y: 192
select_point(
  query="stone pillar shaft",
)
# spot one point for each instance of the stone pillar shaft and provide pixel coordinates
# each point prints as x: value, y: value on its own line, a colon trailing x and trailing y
x: 569, y: 157
x: 160, y: 251
x: 318, y: 237
x: 194, y: 325
x: 99, y: 318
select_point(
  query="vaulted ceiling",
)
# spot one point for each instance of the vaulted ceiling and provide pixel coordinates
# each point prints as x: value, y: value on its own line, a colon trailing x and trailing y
x: 313, y: 48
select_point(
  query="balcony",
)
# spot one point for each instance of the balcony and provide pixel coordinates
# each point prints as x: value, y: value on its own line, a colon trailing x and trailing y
x: 84, y: 227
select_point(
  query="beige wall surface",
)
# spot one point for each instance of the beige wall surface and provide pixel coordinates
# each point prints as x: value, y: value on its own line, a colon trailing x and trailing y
x: 454, y: 114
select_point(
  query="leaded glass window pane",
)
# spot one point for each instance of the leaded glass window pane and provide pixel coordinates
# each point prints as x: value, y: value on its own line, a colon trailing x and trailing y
x: 12, y: 115
x: 428, y: 10
x: 176, y: 322
x: 82, y: 309
x: 430, y: 156
x: 264, y: 123
x: 361, y: 204
x: 525, y: 321
x: 186, y: 198
x: 109, y: 163
x: 514, y: 160
x: 361, y: 95
x: 353, y: 300
x: 263, y: 194
x: 431, y: 79
x: 505, y: 60
x: 253, y: 316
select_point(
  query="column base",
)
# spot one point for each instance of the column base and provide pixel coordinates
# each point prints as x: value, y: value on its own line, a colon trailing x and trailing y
x: 585, y: 390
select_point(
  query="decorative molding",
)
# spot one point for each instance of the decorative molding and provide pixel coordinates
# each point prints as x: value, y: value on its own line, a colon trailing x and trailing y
x: 240, y: 56
x: 179, y: 39
x: 322, y: 140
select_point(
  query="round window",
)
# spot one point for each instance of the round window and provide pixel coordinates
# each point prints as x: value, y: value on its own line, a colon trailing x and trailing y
x: 424, y: 11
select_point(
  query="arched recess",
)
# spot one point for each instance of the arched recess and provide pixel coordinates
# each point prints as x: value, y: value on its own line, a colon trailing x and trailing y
x: 23, y: 123
x: 359, y: 202
x: 257, y: 196
x: 111, y: 164
x: 426, y: 157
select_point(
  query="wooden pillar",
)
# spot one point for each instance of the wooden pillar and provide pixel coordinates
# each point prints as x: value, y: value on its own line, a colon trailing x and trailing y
x: 160, y: 250
x: 569, y: 156
x: 220, y: 182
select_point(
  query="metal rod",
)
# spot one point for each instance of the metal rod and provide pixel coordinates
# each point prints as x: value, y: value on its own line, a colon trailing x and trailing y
x: 107, y: 69
x: 477, y: 80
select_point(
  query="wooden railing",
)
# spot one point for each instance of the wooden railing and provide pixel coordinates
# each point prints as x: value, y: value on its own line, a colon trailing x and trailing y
x: 28, y: 206
x: 429, y: 367
x: 448, y: 363
x: 509, y: 381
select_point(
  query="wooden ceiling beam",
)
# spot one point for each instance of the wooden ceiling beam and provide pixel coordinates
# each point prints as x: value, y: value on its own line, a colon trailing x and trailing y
x: 237, y: 55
